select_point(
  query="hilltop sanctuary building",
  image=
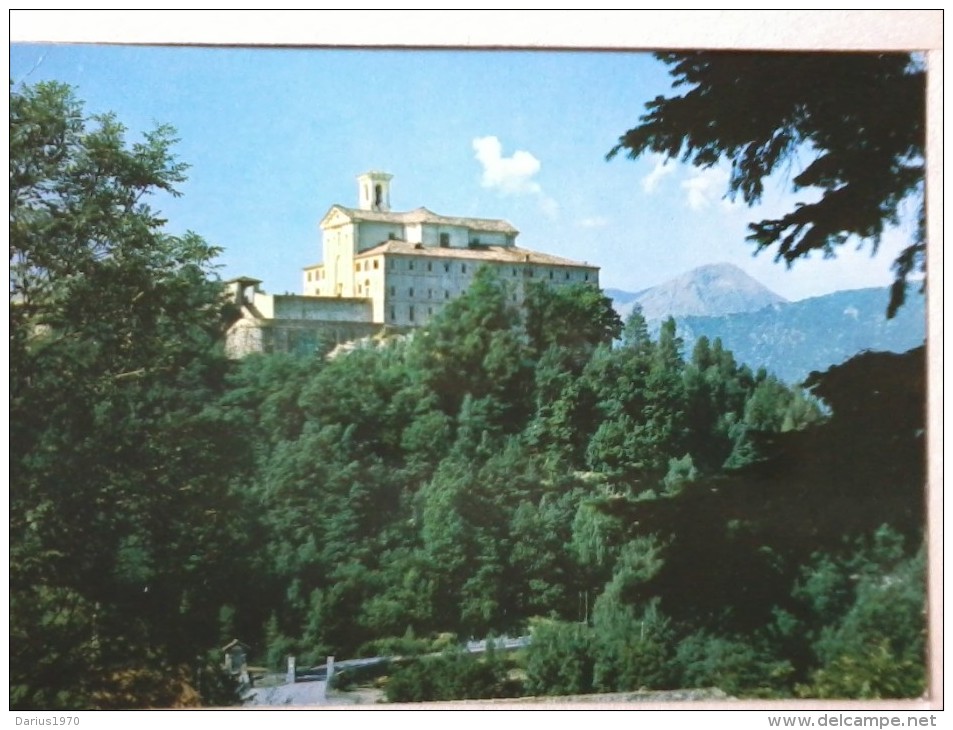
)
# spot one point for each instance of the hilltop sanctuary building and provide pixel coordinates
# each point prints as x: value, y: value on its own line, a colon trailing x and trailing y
x: 381, y: 268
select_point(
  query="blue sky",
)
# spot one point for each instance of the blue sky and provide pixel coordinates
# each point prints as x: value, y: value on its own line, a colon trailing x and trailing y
x: 274, y: 137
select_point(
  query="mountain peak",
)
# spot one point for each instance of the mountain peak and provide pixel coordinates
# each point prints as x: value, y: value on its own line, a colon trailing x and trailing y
x: 709, y: 290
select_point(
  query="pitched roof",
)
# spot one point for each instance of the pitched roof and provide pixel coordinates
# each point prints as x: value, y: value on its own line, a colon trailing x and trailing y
x: 422, y: 215
x: 498, y: 254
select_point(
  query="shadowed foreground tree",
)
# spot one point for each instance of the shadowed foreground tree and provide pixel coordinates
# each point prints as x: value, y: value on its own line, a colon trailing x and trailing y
x: 858, y: 116
x: 125, y: 539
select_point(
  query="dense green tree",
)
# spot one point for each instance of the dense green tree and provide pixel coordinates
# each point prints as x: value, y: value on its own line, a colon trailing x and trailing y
x: 865, y: 619
x: 736, y: 541
x: 574, y: 318
x: 544, y: 574
x: 560, y: 660
x: 858, y: 117
x: 633, y: 649
x: 125, y: 535
x: 473, y: 347
x: 635, y: 332
x: 738, y: 665
x: 639, y: 393
x: 716, y: 392
x: 451, y: 675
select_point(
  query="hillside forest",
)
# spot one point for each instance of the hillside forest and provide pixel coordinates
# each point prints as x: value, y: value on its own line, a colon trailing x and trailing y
x: 652, y: 517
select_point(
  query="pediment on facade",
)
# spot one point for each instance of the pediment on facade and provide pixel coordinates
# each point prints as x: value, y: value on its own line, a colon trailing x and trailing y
x: 336, y: 216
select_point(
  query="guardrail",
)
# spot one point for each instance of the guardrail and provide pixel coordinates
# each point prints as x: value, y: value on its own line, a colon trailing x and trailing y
x: 320, y: 673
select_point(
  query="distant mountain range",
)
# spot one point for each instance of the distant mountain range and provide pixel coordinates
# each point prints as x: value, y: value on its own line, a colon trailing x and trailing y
x: 789, y: 339
x: 709, y: 290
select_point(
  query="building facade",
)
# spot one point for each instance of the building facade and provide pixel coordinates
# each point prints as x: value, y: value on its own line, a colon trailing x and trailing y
x: 292, y: 323
x: 382, y: 268
x: 410, y: 264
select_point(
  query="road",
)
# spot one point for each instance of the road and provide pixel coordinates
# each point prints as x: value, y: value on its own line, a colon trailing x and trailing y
x: 311, y: 688
x: 299, y: 694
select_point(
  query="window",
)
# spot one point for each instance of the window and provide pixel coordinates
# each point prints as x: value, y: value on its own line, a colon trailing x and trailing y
x: 514, y: 272
x: 446, y: 293
x: 429, y: 266
x: 393, y: 314
x: 367, y: 285
x: 358, y: 288
x: 586, y: 277
x: 357, y: 266
x: 430, y: 294
x: 410, y: 313
x: 429, y: 311
x: 567, y: 276
x: 463, y: 268
x: 550, y: 274
x: 309, y: 276
x: 410, y: 292
x: 410, y: 265
x: 446, y: 267
x: 390, y: 264
x: 444, y: 240
x: 376, y: 262
x: 393, y: 290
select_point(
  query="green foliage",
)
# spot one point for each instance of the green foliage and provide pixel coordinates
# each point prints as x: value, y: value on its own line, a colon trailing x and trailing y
x: 738, y: 666
x: 681, y: 472
x: 472, y: 348
x: 278, y: 646
x: 575, y: 319
x: 866, y: 620
x: 407, y: 645
x: 875, y: 672
x: 633, y: 649
x: 540, y: 560
x: 860, y: 117
x: 559, y: 661
x: 597, y: 536
x: 125, y: 532
x: 452, y: 675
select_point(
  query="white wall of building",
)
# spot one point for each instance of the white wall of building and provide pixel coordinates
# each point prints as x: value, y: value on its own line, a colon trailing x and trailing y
x: 371, y: 234
x: 457, y: 236
x: 328, y: 309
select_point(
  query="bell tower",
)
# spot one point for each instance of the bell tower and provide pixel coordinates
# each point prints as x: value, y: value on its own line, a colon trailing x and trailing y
x: 373, y: 191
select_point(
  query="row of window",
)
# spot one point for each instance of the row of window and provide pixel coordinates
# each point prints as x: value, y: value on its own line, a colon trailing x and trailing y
x: 357, y: 265
x: 411, y: 313
x: 527, y: 272
x: 411, y: 292
x: 411, y: 266
x: 392, y: 265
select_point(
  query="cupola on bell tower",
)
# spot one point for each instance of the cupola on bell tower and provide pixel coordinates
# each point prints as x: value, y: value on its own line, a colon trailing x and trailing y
x: 373, y: 191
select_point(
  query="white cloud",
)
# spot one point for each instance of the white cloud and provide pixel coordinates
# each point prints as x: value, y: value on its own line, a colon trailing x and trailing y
x: 509, y: 175
x: 651, y: 181
x: 705, y: 186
